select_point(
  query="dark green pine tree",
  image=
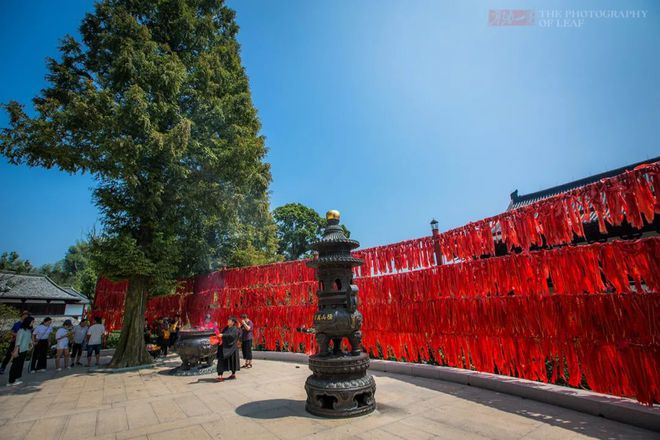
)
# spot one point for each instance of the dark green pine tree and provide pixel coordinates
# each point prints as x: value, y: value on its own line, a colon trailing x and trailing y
x: 155, y: 103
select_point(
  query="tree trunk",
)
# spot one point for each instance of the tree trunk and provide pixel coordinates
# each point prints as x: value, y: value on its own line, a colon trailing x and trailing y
x: 131, y: 349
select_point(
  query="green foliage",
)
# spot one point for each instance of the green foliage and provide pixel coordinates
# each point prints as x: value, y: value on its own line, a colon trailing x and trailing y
x: 11, y: 261
x: 154, y: 102
x: 297, y: 227
x: 253, y: 247
x: 75, y: 269
x: 8, y: 316
x: 112, y: 340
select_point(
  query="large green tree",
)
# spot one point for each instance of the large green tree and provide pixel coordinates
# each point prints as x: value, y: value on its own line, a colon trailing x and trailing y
x: 154, y: 102
x: 297, y: 227
x: 76, y: 269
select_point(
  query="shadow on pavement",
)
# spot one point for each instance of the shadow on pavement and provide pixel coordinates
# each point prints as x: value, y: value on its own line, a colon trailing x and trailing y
x: 581, y: 423
x: 273, y: 409
x: 204, y: 379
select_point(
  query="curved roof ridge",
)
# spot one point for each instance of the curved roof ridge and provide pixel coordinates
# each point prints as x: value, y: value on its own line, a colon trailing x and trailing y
x: 525, y: 199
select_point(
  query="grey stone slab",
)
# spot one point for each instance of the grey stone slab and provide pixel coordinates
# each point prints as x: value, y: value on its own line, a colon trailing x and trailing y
x: 267, y: 402
x: 612, y: 407
x: 81, y: 425
x: 17, y: 430
x: 111, y: 421
x: 47, y: 428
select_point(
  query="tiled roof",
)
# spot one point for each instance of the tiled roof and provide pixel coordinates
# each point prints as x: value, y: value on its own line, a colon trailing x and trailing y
x: 526, y: 199
x: 74, y: 292
x: 33, y: 286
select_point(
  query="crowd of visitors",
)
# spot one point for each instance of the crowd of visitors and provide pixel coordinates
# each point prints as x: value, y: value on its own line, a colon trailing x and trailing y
x: 161, y: 334
x: 72, y: 340
x: 27, y: 339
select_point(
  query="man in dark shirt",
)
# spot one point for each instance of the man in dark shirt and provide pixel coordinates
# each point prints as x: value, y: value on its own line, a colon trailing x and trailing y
x: 12, y: 342
x: 247, y: 331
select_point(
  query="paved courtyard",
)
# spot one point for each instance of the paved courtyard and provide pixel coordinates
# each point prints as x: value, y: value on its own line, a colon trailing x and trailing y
x: 267, y: 402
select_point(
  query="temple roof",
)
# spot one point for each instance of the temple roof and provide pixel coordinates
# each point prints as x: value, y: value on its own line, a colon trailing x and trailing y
x: 74, y: 292
x: 35, y: 286
x: 522, y: 200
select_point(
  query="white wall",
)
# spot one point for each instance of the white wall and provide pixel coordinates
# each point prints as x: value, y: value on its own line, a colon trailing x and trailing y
x: 74, y: 310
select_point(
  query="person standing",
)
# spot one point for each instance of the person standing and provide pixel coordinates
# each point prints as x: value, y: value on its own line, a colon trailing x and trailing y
x: 21, y: 348
x: 175, y: 325
x: 41, y: 337
x: 62, y: 337
x: 208, y: 322
x: 79, y: 335
x: 147, y: 332
x: 164, y: 336
x: 228, y: 352
x: 247, y: 334
x: 10, y: 348
x: 95, y: 336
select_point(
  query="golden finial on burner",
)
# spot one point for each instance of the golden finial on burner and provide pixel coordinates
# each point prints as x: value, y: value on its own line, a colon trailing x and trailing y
x: 333, y: 214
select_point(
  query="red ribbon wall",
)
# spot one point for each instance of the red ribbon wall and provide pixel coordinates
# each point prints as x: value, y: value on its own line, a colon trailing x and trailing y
x: 109, y: 302
x: 513, y: 314
x: 576, y: 314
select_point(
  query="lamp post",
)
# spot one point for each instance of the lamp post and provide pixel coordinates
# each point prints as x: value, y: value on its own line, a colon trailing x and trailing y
x: 436, y: 242
x: 339, y: 385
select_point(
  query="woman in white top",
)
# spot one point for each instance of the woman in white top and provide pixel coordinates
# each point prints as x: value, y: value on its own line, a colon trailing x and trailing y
x: 41, y: 336
x: 62, y: 337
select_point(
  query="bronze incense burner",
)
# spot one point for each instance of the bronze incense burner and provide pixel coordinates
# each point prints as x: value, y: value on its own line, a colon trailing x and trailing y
x: 339, y: 385
x: 196, y: 352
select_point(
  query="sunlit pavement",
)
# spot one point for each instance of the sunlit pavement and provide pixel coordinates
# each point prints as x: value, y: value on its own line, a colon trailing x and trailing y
x: 267, y: 402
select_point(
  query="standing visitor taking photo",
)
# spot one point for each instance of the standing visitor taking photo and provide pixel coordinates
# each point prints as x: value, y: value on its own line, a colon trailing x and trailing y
x: 247, y: 332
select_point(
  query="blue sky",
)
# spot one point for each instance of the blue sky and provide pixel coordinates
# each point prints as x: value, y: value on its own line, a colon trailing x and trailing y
x: 392, y: 112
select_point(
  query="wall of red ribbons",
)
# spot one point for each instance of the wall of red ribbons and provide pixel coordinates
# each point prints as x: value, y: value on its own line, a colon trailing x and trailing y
x: 549, y: 311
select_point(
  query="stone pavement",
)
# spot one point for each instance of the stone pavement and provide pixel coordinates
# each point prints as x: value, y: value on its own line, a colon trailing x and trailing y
x: 267, y: 402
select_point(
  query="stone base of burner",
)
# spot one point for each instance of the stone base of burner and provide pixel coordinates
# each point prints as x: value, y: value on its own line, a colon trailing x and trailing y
x: 199, y: 370
x: 340, y: 386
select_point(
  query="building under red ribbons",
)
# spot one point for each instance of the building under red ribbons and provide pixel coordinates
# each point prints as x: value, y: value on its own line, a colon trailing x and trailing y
x: 592, y: 226
x: 564, y: 287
